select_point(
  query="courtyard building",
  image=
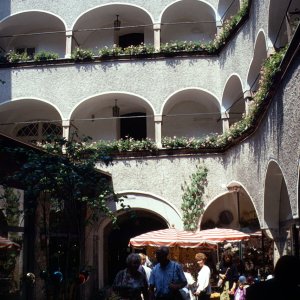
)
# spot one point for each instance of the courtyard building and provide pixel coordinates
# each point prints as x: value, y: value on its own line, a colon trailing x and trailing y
x: 168, y: 73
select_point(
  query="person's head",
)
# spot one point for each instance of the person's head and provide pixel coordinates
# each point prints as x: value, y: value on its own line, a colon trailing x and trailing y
x: 162, y: 255
x: 242, y: 281
x: 227, y: 257
x: 133, y: 261
x: 143, y: 258
x: 201, y: 259
x: 287, y: 269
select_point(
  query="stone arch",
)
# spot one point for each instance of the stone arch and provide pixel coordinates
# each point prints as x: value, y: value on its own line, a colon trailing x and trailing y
x: 21, y: 111
x: 233, y: 98
x: 134, y: 20
x: 191, y: 112
x: 228, y: 8
x: 200, y: 18
x: 259, y: 56
x: 277, y: 209
x: 28, y: 35
x: 153, y: 212
x: 93, y: 116
x: 232, y: 209
x: 280, y: 27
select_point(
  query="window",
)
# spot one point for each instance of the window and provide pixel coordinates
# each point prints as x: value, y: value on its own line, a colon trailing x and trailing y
x: 38, y: 131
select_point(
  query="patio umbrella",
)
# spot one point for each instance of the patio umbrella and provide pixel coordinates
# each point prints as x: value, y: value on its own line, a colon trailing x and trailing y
x: 7, y: 244
x: 171, y: 237
x: 219, y: 235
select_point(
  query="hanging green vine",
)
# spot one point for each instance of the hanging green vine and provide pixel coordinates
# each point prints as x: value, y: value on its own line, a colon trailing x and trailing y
x: 192, y: 199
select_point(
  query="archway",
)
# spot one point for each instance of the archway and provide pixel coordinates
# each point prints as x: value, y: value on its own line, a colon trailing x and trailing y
x: 130, y: 224
x: 147, y: 212
x: 233, y: 209
x: 191, y: 112
x: 277, y: 210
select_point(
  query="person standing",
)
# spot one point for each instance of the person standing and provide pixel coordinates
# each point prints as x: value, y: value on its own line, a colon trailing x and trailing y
x: 240, y: 292
x: 166, y: 278
x: 228, y: 274
x: 187, y: 291
x: 130, y: 284
x: 203, y: 280
x: 145, y: 267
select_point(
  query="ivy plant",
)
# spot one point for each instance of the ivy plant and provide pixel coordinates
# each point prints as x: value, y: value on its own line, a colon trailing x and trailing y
x: 192, y: 199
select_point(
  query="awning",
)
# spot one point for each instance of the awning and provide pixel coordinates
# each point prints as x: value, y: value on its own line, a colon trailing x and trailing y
x: 7, y: 244
x: 171, y: 237
x: 219, y: 235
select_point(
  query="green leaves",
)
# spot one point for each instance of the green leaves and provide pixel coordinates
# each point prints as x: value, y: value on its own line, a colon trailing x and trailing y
x: 192, y: 198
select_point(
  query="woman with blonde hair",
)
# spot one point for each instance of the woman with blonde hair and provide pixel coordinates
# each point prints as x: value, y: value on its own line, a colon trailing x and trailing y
x: 203, y: 280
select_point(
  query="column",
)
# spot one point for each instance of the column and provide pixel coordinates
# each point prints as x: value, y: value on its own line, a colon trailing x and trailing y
x: 271, y: 50
x: 69, y: 37
x: 219, y: 26
x: 158, y: 123
x: 248, y: 101
x: 66, y: 124
x: 225, y: 121
x: 157, y: 30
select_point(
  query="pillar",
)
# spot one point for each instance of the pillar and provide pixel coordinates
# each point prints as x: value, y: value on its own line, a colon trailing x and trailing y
x: 248, y: 101
x: 157, y: 31
x: 219, y: 26
x: 225, y: 121
x: 69, y: 37
x: 158, y: 123
x: 66, y: 124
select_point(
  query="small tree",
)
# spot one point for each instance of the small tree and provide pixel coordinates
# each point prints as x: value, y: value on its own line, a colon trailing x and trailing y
x: 192, y: 199
x: 63, y: 186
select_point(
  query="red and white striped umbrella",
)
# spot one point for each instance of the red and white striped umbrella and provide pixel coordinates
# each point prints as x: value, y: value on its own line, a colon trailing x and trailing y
x: 6, y: 243
x: 171, y: 237
x: 222, y: 235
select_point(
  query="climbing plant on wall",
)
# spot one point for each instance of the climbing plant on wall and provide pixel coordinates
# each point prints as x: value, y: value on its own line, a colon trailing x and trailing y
x: 192, y: 199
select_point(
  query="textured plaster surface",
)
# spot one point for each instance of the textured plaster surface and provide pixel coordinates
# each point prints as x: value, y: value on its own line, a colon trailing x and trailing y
x: 277, y: 137
x: 70, y: 10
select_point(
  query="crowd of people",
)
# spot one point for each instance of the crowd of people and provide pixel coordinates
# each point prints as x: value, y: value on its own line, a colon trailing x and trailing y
x: 170, y: 280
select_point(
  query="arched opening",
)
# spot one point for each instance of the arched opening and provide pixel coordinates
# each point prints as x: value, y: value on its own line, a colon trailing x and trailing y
x: 284, y: 17
x: 233, y: 209
x: 233, y: 99
x: 228, y: 8
x: 188, y: 21
x: 110, y: 24
x: 277, y: 209
x: 114, y: 115
x: 116, y: 240
x: 30, y: 120
x: 34, y: 36
x: 191, y: 113
x: 259, y: 56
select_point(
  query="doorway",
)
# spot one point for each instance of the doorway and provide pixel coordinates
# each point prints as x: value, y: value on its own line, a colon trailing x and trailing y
x: 131, y: 39
x: 116, y: 239
x: 134, y: 126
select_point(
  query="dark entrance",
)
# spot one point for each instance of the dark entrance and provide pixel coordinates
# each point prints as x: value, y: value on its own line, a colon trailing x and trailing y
x: 135, y: 128
x: 131, y: 39
x: 116, y: 239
